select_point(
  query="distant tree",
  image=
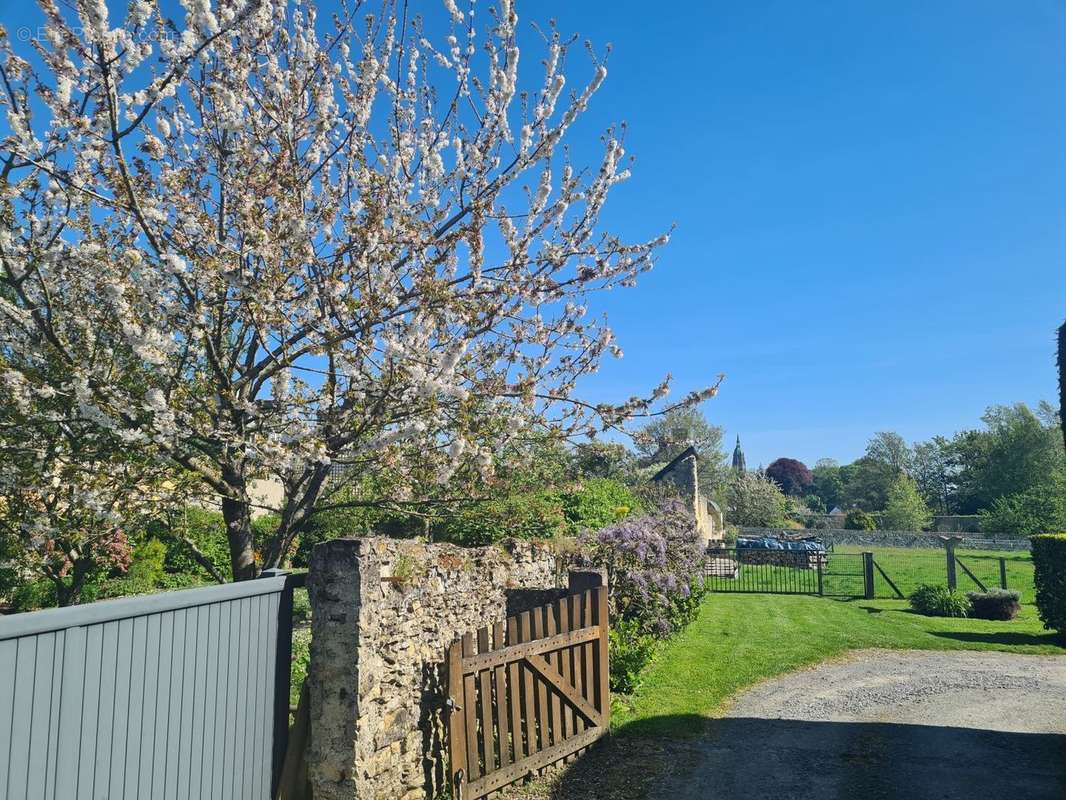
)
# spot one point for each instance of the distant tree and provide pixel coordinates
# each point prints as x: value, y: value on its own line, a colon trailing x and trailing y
x: 597, y: 459
x: 667, y: 436
x: 890, y: 448
x: 1041, y: 509
x: 791, y: 476
x: 1019, y: 450
x: 827, y: 482
x: 755, y: 501
x: 866, y: 483
x: 906, y: 509
x: 934, y: 469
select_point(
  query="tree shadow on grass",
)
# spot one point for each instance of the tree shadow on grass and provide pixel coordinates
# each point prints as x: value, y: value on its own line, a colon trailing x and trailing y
x: 1002, y: 637
x: 773, y: 759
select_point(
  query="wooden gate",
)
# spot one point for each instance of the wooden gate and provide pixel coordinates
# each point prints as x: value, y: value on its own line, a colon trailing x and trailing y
x: 526, y: 693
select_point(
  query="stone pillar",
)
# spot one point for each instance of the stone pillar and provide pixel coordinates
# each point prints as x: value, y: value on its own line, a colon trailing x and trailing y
x: 384, y: 613
x: 334, y: 590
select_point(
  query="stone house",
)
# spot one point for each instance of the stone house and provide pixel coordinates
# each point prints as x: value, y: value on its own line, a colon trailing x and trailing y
x: 682, y: 473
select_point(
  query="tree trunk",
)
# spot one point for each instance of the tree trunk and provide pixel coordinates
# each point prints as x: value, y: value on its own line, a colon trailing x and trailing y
x: 70, y: 595
x: 295, y: 513
x: 237, y: 512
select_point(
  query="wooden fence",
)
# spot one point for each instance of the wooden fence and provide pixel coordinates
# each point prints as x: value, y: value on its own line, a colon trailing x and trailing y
x: 527, y: 692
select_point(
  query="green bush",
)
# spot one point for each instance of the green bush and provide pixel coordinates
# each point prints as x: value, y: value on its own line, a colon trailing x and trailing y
x: 597, y: 503
x: 630, y: 652
x: 999, y: 604
x: 859, y: 520
x: 204, y: 528
x: 263, y: 529
x: 1049, y: 563
x: 34, y: 595
x: 348, y: 523
x: 145, y: 575
x: 301, y: 606
x: 301, y: 660
x: 534, y: 515
x: 938, y: 601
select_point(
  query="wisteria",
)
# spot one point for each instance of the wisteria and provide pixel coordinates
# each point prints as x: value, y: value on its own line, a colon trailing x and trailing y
x: 256, y: 243
x: 654, y: 564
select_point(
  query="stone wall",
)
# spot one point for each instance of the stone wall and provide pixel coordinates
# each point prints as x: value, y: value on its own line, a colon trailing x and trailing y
x: 957, y: 523
x: 384, y: 611
x: 894, y: 538
x: 683, y: 474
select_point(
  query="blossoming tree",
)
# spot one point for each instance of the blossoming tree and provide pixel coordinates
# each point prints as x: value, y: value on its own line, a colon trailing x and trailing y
x: 261, y: 244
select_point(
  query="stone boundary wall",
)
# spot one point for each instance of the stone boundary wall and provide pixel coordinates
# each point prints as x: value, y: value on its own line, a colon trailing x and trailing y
x: 383, y: 613
x: 892, y: 538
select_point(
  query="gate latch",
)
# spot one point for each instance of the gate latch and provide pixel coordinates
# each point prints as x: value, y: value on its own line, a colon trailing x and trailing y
x: 451, y: 705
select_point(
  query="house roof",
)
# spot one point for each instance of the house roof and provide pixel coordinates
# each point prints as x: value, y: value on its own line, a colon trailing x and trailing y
x: 689, y: 451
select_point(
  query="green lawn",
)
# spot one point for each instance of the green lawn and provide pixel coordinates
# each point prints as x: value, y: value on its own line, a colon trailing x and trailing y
x: 897, y: 568
x: 739, y: 640
x: 909, y: 566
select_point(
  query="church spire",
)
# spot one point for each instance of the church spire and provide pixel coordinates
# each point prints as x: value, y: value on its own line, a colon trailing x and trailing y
x: 739, y: 463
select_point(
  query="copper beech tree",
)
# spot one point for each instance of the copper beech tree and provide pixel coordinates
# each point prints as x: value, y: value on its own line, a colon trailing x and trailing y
x: 260, y: 244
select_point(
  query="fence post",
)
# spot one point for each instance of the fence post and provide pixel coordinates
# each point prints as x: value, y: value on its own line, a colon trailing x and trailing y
x: 457, y: 744
x: 282, y: 674
x: 868, y: 574
x: 821, y: 578
x: 1002, y: 573
x: 579, y: 580
x: 949, y: 549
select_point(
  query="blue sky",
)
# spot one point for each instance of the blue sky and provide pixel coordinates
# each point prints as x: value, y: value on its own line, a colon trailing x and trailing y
x: 870, y: 201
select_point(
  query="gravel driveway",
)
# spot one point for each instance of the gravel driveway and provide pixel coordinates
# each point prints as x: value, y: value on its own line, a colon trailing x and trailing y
x: 890, y: 724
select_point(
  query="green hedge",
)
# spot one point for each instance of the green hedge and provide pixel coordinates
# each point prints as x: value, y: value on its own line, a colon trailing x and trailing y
x: 1049, y: 563
x: 859, y: 520
x: 997, y: 604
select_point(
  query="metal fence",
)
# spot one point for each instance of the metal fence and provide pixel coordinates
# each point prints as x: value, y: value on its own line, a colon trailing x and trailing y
x: 785, y: 572
x: 867, y: 574
x: 176, y: 695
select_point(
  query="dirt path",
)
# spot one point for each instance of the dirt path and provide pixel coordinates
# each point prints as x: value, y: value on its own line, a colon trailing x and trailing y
x: 882, y: 725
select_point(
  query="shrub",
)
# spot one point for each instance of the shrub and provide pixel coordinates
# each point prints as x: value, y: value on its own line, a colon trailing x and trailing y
x: 532, y: 515
x: 301, y: 661
x: 33, y: 595
x: 589, y: 506
x: 204, y: 528
x: 938, y: 601
x: 145, y: 574
x: 654, y: 568
x: 347, y: 523
x: 263, y: 529
x: 1049, y: 563
x: 597, y: 503
x: 630, y: 651
x: 1001, y: 604
x: 859, y: 520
